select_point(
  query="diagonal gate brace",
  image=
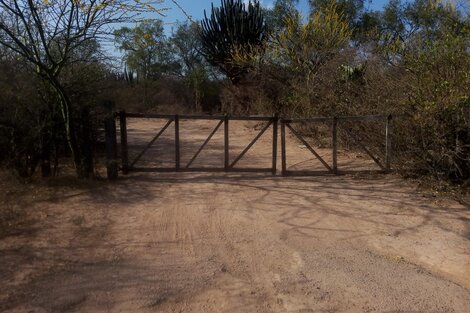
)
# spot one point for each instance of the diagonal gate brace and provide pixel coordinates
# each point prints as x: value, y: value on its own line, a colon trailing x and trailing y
x: 309, y: 147
x: 358, y: 141
x: 251, y: 144
x: 205, y: 143
x: 151, y: 143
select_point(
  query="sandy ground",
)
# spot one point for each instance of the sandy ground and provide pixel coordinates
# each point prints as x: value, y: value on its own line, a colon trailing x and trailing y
x: 238, y: 242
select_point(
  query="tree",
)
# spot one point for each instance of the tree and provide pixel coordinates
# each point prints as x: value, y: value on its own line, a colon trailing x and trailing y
x: 276, y: 17
x: 351, y: 9
x: 393, y: 19
x: 24, y: 117
x: 187, y: 44
x: 232, y: 28
x: 147, y: 52
x: 432, y: 49
x: 306, y: 46
x: 187, y: 47
x: 46, y: 33
x: 146, y: 49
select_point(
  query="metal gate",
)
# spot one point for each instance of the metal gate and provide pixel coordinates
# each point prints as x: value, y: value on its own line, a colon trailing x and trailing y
x: 336, y: 123
x: 230, y: 165
x: 131, y: 165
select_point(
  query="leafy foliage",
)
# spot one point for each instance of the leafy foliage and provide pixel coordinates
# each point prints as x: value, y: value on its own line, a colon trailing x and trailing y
x: 436, y: 59
x: 308, y: 46
x: 146, y: 49
x: 411, y: 58
x: 276, y: 17
x: 48, y: 36
x: 350, y: 9
x: 187, y: 44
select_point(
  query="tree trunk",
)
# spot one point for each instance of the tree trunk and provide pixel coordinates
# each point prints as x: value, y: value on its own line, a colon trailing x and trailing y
x: 46, y: 169
x: 45, y: 151
x: 82, y: 169
x: 86, y: 143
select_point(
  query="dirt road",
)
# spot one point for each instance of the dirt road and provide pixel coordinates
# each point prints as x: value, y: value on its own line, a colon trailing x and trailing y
x: 238, y: 243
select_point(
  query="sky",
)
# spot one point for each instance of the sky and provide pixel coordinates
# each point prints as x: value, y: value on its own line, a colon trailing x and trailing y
x: 195, y: 8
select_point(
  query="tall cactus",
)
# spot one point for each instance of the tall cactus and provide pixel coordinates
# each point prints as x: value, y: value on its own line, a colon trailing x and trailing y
x: 231, y: 28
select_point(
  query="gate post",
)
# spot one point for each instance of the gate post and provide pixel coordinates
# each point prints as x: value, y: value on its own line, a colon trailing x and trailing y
x: 335, y: 145
x: 275, y: 121
x: 388, y: 144
x: 283, y: 148
x: 111, y: 145
x: 226, y: 143
x: 124, y: 147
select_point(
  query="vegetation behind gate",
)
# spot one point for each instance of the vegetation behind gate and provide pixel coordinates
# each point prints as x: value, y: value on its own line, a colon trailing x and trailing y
x: 410, y: 59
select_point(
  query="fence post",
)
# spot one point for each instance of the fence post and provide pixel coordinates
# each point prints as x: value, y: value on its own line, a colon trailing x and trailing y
x: 111, y: 145
x: 275, y: 122
x: 226, y: 143
x: 177, y: 142
x: 283, y: 148
x: 388, y: 143
x: 124, y: 147
x: 335, y: 145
